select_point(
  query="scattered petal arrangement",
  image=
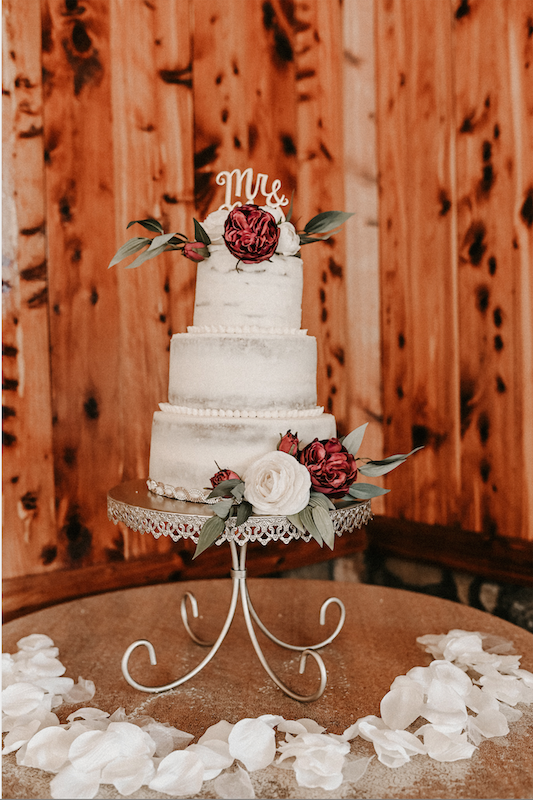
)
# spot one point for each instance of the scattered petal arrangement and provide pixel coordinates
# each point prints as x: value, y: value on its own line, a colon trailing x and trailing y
x: 467, y: 694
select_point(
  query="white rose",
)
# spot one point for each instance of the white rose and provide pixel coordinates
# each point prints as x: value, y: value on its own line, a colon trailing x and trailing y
x: 289, y: 241
x: 277, y: 484
x: 213, y: 225
x: 277, y: 212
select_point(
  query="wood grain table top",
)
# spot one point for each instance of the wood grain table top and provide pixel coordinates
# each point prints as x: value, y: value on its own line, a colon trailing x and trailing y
x: 377, y: 643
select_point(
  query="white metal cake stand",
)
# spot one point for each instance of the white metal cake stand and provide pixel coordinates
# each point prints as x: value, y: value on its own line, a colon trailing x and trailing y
x: 141, y: 510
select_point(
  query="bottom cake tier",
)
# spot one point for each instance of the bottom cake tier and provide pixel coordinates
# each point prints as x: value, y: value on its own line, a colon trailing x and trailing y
x: 186, y: 451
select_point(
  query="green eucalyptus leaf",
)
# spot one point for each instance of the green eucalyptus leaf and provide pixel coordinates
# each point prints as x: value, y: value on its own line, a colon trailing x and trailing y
x: 129, y: 248
x: 200, y: 234
x: 352, y: 442
x: 319, y: 499
x: 327, y: 221
x: 324, y: 524
x: 238, y: 491
x: 211, y: 530
x: 244, y: 510
x: 296, y: 521
x: 223, y: 488
x: 147, y: 256
x: 306, y: 516
x: 373, y: 469
x: 223, y: 507
x: 149, y: 224
x: 364, y: 491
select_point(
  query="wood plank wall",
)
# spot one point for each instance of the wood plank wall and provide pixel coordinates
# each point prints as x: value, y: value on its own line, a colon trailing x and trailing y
x: 422, y: 308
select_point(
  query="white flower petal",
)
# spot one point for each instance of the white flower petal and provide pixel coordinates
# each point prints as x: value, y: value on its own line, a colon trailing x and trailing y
x: 21, y: 698
x: 19, y: 735
x: 54, y: 685
x: 271, y: 719
x: 81, y: 692
x: 291, y: 726
x: 235, y: 786
x: 355, y: 768
x: 70, y: 782
x: 166, y: 737
x: 450, y: 675
x: 445, y: 708
x: 445, y: 747
x: 35, y: 641
x: 488, y: 724
x: 128, y: 774
x: 88, y: 713
x: 215, y: 757
x: 48, y: 749
x: 253, y: 742
x: 402, y: 705
x: 219, y: 731
x: 180, y: 774
x: 310, y: 725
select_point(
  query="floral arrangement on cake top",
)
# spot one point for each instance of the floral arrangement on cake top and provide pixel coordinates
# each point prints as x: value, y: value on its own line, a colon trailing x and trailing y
x: 251, y: 233
x: 299, y: 484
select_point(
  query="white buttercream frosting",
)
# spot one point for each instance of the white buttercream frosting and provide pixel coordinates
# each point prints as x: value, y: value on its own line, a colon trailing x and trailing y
x: 245, y: 329
x: 252, y: 413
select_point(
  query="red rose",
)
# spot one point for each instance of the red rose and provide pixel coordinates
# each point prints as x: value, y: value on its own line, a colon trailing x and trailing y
x: 251, y: 235
x: 289, y: 444
x: 223, y: 475
x: 332, y: 468
x: 195, y: 251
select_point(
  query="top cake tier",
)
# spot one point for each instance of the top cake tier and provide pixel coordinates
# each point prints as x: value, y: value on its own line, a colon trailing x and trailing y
x: 233, y: 296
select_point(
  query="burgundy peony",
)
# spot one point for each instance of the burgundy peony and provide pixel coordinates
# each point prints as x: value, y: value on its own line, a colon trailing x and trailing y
x: 332, y: 468
x: 289, y: 444
x: 195, y: 251
x: 223, y: 475
x: 251, y: 234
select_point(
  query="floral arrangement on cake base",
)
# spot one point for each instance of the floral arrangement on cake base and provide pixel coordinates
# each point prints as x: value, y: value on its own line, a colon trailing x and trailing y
x: 300, y: 484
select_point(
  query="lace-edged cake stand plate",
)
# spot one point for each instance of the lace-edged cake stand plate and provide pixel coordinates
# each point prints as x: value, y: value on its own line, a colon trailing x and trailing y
x: 141, y: 510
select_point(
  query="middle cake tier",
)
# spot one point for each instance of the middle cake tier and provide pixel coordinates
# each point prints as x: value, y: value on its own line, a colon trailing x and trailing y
x: 243, y: 371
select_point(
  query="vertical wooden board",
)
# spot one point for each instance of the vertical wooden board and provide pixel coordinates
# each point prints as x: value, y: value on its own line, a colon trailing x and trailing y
x: 520, y: 34
x: 244, y: 97
x: 419, y: 312
x: 28, y: 480
x: 319, y: 77
x: 84, y: 308
x: 363, y: 333
x: 153, y: 158
x: 493, y: 240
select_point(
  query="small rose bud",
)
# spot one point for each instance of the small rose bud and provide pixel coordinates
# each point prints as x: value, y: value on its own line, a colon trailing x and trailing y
x: 223, y: 475
x: 289, y: 444
x: 195, y: 251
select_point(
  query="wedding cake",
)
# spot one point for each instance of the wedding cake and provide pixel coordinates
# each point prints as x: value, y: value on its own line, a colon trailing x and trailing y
x: 242, y: 428
x: 242, y: 375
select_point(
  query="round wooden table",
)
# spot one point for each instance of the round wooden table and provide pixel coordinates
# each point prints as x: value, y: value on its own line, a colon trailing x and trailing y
x: 377, y: 643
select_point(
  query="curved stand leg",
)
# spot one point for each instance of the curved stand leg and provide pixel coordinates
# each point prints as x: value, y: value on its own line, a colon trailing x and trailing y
x: 322, y: 620
x: 184, y: 616
x: 202, y: 664
x: 246, y: 606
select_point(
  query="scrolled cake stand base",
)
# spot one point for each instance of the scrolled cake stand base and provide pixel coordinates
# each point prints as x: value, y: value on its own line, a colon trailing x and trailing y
x: 140, y: 510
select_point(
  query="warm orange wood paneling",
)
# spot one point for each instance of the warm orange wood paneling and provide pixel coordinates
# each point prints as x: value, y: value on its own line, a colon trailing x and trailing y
x: 244, y: 102
x: 28, y: 479
x: 142, y: 104
x: 84, y: 319
x: 153, y: 177
x: 494, y: 180
x: 417, y: 240
x: 363, y: 332
x: 320, y: 185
